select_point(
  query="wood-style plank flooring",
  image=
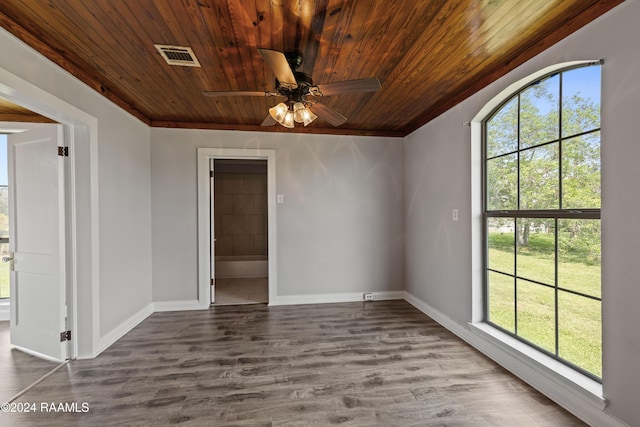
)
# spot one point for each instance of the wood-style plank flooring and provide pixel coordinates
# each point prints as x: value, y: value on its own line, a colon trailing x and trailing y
x: 354, y: 364
x: 18, y: 370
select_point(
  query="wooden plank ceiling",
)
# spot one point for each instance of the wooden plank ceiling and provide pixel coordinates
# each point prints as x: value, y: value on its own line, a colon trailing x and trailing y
x: 429, y: 55
x: 10, y: 112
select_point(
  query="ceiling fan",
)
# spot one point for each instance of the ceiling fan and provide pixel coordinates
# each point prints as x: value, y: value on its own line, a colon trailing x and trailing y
x: 298, y: 89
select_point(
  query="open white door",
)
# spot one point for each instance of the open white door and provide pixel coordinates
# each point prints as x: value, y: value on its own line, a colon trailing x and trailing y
x: 37, y: 241
x: 212, y: 227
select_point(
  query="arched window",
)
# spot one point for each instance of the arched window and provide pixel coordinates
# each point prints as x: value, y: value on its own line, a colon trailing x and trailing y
x: 541, y: 213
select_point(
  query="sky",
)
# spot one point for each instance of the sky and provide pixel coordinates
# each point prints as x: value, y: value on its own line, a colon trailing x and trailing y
x: 585, y: 80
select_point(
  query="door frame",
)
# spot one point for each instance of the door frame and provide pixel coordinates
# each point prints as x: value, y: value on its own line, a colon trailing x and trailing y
x: 205, y: 155
x: 81, y: 180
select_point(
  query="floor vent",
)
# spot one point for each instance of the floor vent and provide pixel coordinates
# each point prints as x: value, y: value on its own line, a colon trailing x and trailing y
x: 178, y: 55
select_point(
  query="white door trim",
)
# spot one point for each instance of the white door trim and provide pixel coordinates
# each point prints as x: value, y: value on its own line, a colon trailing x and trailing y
x: 204, y: 227
x: 212, y: 232
x: 82, y: 131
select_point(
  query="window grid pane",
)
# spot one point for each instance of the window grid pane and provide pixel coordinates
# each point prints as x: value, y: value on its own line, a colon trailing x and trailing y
x: 539, y: 177
x: 536, y: 249
x: 504, y: 138
x: 501, y: 245
x: 539, y: 112
x: 502, y: 182
x: 581, y: 171
x: 502, y: 300
x: 536, y: 314
x: 580, y: 331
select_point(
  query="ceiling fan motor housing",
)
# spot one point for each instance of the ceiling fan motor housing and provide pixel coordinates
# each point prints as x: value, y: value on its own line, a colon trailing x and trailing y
x: 298, y: 94
x: 294, y: 58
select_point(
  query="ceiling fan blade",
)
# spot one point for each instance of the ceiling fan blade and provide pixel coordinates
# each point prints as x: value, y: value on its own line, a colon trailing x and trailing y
x: 268, y: 121
x: 278, y: 63
x: 361, y: 85
x: 328, y: 114
x: 237, y: 93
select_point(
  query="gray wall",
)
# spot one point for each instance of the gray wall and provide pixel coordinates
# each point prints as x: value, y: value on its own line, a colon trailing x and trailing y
x: 438, y: 179
x: 340, y: 229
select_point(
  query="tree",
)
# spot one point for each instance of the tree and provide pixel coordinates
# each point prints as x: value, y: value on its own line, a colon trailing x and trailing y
x: 4, y: 212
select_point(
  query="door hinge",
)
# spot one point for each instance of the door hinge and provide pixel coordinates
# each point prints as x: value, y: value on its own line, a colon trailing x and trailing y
x: 65, y: 336
x: 63, y: 151
x: 211, y: 174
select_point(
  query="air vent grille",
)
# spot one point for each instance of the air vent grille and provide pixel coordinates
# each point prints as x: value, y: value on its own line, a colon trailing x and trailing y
x: 178, y: 55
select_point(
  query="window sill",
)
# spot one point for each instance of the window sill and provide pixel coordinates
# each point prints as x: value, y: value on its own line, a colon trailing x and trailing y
x: 562, y: 376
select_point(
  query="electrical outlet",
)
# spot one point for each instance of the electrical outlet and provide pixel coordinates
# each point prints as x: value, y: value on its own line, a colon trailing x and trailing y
x: 454, y: 214
x: 368, y: 297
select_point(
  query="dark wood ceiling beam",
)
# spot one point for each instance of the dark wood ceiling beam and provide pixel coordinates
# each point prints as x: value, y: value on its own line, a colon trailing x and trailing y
x: 58, y: 58
x: 276, y: 128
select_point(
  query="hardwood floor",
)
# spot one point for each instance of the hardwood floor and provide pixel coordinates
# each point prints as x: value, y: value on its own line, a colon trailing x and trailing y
x: 354, y: 364
x: 18, y: 370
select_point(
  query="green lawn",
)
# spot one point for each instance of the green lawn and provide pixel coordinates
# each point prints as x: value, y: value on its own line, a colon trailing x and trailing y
x: 579, y: 318
x: 4, y: 280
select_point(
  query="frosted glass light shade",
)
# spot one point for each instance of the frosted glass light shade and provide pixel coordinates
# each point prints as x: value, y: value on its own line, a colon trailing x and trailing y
x: 288, y: 120
x: 279, y: 112
x: 304, y: 115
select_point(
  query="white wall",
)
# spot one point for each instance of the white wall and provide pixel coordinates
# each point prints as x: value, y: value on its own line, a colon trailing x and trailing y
x: 438, y: 178
x: 115, y: 279
x: 340, y: 229
x: 125, y: 219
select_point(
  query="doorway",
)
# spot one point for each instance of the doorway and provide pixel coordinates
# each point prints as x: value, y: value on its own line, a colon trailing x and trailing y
x: 82, y: 208
x: 240, y: 232
x: 206, y: 223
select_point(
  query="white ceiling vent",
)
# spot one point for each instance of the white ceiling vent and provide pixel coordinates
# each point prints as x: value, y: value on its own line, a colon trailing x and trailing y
x: 178, y: 55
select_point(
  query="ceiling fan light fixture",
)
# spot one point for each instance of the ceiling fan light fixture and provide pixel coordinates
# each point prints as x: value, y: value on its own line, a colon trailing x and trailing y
x: 279, y: 112
x: 288, y: 115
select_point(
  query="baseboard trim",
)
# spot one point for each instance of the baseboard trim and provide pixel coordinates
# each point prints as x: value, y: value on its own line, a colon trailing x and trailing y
x: 335, y: 298
x: 185, y: 305
x: 121, y: 330
x: 570, y: 397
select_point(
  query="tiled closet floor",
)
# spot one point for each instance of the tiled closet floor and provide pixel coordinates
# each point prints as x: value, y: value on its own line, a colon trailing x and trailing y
x: 242, y: 291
